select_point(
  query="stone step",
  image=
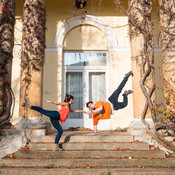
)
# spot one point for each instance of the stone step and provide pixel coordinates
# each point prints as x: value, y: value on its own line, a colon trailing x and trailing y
x: 110, y: 162
x: 89, y: 154
x: 103, y: 154
x: 88, y: 171
x: 85, y: 138
x: 91, y: 146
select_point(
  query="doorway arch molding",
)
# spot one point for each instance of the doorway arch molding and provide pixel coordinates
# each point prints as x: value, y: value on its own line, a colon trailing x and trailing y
x: 90, y: 20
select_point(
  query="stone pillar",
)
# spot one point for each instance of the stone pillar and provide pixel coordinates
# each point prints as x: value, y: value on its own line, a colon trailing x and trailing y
x: 34, y: 94
x: 32, y: 59
x: 138, y: 96
x: 7, y: 20
x: 31, y: 119
x: 137, y: 11
x: 167, y: 38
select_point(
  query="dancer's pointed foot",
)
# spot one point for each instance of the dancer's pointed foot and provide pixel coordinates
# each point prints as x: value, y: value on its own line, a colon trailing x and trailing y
x: 129, y: 73
x: 25, y: 104
x: 128, y: 92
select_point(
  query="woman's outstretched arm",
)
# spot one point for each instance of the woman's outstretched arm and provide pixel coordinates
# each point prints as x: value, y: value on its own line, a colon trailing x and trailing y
x: 57, y: 103
x: 78, y: 111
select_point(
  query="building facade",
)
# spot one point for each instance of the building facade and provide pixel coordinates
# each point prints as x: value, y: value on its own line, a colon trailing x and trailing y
x: 87, y: 54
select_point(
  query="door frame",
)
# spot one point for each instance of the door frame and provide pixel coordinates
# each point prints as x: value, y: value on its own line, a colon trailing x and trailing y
x: 86, y: 121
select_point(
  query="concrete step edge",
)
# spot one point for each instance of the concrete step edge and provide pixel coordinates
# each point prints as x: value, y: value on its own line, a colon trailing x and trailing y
x: 85, y: 138
x: 90, y: 146
x: 87, y: 171
x: 94, y: 153
x: 87, y: 162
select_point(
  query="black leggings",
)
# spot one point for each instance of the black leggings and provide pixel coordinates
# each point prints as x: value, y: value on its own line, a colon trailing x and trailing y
x: 54, y: 117
x: 114, y: 97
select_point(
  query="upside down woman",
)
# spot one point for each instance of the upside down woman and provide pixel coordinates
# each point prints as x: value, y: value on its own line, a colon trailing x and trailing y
x: 57, y: 117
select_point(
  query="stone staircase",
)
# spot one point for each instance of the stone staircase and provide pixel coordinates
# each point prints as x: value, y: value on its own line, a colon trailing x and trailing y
x: 108, y: 153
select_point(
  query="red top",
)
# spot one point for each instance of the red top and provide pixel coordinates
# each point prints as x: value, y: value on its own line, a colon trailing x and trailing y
x: 64, y: 112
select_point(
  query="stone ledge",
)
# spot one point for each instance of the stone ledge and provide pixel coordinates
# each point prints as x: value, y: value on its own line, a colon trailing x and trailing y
x: 137, y: 127
x: 30, y: 124
x: 138, y: 130
x: 11, y: 141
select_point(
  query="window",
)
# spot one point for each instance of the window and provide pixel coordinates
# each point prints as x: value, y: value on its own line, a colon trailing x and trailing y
x: 85, y: 59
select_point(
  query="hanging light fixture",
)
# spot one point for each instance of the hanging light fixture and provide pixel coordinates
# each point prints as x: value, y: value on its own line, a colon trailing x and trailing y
x: 80, y: 3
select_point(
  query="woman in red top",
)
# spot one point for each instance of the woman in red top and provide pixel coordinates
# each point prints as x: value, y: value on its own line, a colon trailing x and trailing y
x: 57, y: 117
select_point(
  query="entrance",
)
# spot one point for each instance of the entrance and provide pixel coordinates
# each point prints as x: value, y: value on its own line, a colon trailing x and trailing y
x: 85, y: 77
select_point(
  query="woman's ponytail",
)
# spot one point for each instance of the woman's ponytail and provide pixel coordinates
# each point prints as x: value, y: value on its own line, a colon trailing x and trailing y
x: 68, y: 97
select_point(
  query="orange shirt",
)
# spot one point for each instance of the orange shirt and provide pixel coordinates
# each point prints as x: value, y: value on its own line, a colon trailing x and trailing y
x: 105, y: 114
x: 64, y: 112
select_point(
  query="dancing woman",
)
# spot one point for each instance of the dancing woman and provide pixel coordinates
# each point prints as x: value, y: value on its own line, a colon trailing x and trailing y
x: 57, y: 117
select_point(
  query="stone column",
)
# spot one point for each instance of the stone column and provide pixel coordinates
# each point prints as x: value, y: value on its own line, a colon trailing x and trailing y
x: 32, y: 59
x: 7, y: 21
x: 138, y: 96
x: 138, y: 26
x: 136, y: 18
x: 167, y: 21
x: 34, y: 95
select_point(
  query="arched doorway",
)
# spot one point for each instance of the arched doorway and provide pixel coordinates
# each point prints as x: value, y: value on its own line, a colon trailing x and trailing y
x: 84, y: 49
x: 84, y: 75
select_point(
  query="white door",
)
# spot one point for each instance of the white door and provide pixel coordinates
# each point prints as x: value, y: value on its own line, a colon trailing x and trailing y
x: 85, y: 77
x: 74, y: 86
x: 96, y: 91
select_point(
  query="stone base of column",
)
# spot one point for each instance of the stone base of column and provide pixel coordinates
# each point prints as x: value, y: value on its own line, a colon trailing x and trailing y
x: 138, y: 128
x: 139, y: 131
x: 34, y: 127
x: 35, y: 123
x: 11, y: 141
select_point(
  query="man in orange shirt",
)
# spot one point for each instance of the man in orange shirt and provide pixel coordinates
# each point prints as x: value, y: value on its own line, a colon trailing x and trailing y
x: 103, y: 110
